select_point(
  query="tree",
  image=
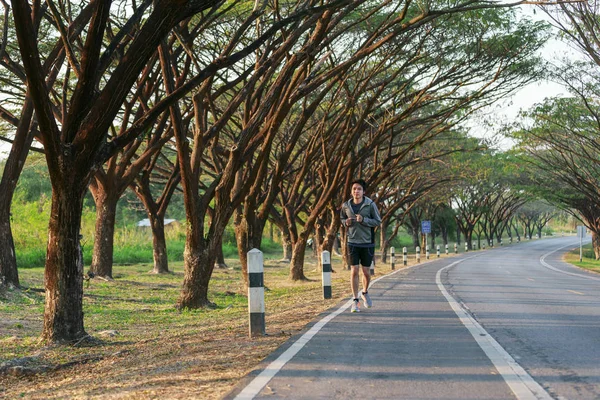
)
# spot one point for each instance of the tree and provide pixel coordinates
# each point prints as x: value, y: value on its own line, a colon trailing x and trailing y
x: 101, y: 69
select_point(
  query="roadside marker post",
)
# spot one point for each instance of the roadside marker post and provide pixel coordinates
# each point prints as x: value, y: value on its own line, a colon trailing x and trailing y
x: 438, y: 251
x: 581, y: 235
x: 405, y: 256
x: 256, y: 293
x: 446, y: 248
x: 326, y: 274
x: 427, y: 252
x: 418, y: 254
x: 372, y: 268
x: 393, y: 257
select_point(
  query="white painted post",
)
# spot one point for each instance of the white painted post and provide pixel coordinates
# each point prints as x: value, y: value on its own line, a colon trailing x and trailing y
x: 326, y: 274
x: 466, y: 247
x: 393, y: 257
x: 372, y: 268
x: 483, y: 245
x: 418, y: 254
x: 256, y: 293
x: 427, y: 252
x: 510, y: 240
x: 446, y: 248
x: 405, y: 256
x: 455, y: 248
x: 438, y: 251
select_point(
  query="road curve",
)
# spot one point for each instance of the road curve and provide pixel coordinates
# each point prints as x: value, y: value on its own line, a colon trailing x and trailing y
x: 508, y: 323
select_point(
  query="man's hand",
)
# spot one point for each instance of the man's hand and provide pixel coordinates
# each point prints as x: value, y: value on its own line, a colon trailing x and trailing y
x: 349, y: 221
x: 359, y: 218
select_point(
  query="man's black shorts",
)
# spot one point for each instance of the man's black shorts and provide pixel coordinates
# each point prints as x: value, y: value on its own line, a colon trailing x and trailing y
x: 361, y: 255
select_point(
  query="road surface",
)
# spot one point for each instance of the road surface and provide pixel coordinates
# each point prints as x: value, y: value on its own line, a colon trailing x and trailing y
x: 512, y: 322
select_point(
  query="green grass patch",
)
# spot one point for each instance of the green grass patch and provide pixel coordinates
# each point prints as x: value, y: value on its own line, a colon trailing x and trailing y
x: 588, y: 262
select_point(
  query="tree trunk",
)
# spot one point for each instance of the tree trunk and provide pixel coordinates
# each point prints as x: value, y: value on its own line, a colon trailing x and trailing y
x: 159, y: 244
x: 13, y: 166
x: 220, y: 257
x: 383, y: 242
x: 248, y: 236
x: 63, y: 313
x: 596, y: 244
x: 287, y: 246
x: 106, y: 211
x: 337, y: 246
x: 199, y: 260
x: 297, y: 262
x: 9, y: 275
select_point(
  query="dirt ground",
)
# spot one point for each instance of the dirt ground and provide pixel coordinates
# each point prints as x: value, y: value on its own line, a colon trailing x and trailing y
x: 201, y: 359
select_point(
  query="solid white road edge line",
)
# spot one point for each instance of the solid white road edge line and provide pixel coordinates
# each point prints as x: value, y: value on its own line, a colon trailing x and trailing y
x: 545, y: 264
x: 258, y: 383
x: 519, y: 381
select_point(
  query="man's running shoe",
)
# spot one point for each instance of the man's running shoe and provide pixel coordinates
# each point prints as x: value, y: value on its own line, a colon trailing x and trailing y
x: 355, y: 307
x: 366, y: 299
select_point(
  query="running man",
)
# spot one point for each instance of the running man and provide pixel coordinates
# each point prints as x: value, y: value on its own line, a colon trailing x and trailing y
x: 360, y: 216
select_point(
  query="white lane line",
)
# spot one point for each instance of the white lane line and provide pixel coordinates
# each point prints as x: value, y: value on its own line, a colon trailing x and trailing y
x: 576, y: 292
x: 258, y: 383
x: 519, y: 381
x: 545, y: 264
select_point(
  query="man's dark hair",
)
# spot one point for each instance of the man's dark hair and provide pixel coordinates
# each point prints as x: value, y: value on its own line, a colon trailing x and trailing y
x: 361, y: 182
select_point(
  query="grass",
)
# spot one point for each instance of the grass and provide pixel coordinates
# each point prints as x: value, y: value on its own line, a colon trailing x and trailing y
x: 153, y: 342
x: 588, y: 262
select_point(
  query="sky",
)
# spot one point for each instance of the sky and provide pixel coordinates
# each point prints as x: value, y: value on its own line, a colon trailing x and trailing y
x: 525, y: 98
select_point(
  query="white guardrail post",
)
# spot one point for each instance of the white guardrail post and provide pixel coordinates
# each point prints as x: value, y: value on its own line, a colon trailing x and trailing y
x: 256, y: 293
x: 326, y: 274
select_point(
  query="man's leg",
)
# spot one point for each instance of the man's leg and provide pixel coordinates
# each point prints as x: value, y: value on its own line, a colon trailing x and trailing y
x: 354, y: 281
x: 366, y: 278
x: 354, y: 286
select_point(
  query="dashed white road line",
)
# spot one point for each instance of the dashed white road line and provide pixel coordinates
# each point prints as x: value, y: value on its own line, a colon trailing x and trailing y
x: 520, y: 382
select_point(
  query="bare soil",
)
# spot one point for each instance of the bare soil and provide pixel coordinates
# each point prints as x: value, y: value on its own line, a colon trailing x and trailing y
x: 201, y: 357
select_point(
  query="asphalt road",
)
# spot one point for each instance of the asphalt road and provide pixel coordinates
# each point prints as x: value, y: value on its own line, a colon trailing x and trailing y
x: 507, y: 323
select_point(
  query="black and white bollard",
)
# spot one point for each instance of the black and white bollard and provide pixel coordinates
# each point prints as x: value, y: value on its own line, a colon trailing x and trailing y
x: 418, y: 254
x: 455, y: 248
x: 393, y: 257
x: 326, y: 262
x: 405, y: 256
x: 510, y: 240
x: 483, y: 245
x: 466, y: 247
x: 427, y: 252
x: 438, y: 251
x: 446, y: 247
x: 372, y: 268
x: 256, y: 292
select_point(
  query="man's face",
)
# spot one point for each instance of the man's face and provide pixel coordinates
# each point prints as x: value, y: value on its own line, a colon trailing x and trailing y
x: 357, y: 192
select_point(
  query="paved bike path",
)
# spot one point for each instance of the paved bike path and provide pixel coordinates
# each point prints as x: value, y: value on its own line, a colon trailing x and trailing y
x: 410, y: 345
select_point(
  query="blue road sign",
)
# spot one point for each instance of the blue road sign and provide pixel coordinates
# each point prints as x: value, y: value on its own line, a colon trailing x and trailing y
x: 425, y: 226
